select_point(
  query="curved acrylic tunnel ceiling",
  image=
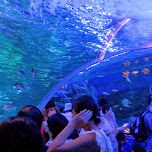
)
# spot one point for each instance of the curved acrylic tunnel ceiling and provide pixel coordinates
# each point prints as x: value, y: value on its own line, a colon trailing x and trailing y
x: 117, y: 71
x: 56, y: 37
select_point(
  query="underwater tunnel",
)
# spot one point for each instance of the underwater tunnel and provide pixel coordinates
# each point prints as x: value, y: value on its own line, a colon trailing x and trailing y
x: 61, y: 50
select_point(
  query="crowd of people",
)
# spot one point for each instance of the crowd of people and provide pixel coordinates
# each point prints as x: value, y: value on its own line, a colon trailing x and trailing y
x: 82, y: 126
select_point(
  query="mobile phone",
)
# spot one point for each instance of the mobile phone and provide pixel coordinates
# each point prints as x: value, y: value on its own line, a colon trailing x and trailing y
x: 125, y: 125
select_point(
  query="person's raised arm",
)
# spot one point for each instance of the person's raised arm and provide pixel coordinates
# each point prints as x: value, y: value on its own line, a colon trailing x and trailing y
x: 77, y: 122
x: 115, y: 131
x: 84, y: 143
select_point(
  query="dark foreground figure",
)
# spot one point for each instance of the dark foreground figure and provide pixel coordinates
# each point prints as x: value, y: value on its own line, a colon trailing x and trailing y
x: 20, y: 134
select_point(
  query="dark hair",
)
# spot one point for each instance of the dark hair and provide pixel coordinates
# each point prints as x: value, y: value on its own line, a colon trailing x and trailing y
x: 121, y: 136
x: 61, y: 108
x: 86, y: 102
x: 32, y: 112
x: 50, y: 104
x: 102, y: 102
x: 105, y: 107
x: 20, y: 134
x: 149, y: 99
x: 56, y: 123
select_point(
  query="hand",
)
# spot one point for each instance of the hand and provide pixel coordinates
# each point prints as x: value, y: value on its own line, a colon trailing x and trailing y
x: 119, y: 129
x: 122, y: 128
x: 81, y: 119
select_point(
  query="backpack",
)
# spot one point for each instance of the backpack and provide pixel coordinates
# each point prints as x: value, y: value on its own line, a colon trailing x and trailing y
x: 138, y: 128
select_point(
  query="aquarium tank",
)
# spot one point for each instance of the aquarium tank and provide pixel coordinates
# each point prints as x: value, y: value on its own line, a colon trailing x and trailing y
x: 63, y: 49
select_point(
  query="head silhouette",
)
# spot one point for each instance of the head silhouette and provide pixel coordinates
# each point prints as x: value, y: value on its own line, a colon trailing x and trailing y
x: 20, y: 134
x: 56, y: 123
x: 32, y: 112
x: 86, y: 102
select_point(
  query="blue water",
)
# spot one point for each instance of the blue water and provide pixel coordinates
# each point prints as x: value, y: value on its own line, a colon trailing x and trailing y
x: 56, y: 37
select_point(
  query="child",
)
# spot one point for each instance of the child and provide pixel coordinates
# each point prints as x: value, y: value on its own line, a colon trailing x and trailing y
x: 124, y: 146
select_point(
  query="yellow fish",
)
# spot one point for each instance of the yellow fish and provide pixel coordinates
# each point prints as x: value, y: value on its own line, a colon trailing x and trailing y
x: 64, y: 86
x: 145, y: 71
x: 126, y: 64
x: 135, y: 72
x: 146, y: 59
x: 125, y: 74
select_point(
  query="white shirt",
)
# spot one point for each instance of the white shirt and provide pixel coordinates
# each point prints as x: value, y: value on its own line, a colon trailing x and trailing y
x: 68, y: 115
x: 102, y: 140
x: 51, y: 141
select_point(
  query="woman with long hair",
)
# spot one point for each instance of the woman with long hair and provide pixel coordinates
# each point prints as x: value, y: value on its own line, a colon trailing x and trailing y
x: 92, y: 140
x: 108, y: 126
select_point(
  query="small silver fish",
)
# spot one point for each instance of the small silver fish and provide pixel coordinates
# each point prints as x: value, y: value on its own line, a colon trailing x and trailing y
x: 106, y: 93
x: 128, y: 79
x: 116, y: 106
x: 115, y: 90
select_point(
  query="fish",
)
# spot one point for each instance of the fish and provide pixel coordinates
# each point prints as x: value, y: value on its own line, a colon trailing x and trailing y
x: 64, y: 86
x: 115, y: 90
x: 146, y: 59
x: 127, y: 63
x: 135, y: 72
x: 33, y: 73
x: 19, y: 91
x: 19, y: 86
x: 100, y: 76
x: 9, y: 107
x: 115, y: 106
x: 125, y: 74
x: 106, y: 93
x: 21, y: 73
x: 127, y: 106
x: 128, y: 79
x: 145, y: 71
x: 126, y: 103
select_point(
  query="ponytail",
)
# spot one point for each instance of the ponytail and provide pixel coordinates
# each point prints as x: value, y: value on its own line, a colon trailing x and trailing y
x: 97, y: 121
